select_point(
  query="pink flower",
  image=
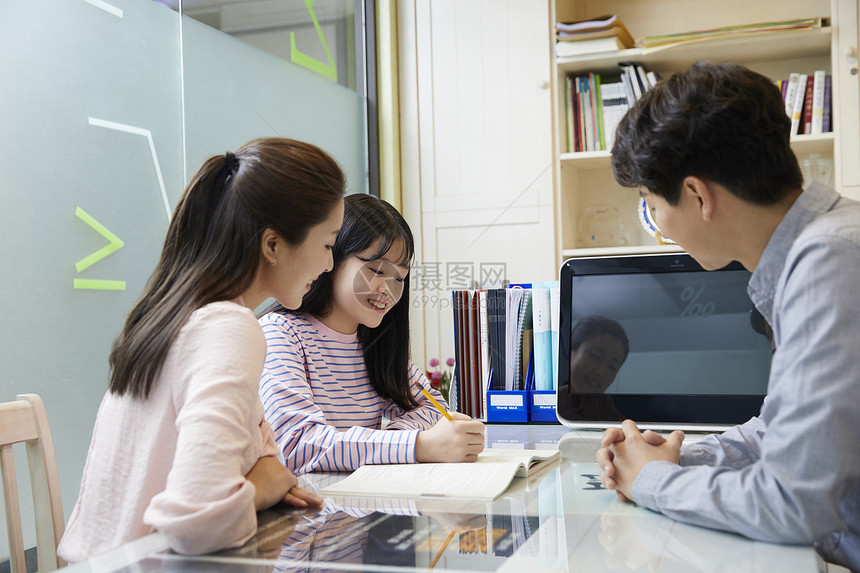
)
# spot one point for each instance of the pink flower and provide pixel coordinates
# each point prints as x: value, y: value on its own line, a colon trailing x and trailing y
x: 436, y: 375
x: 450, y: 362
x: 434, y: 363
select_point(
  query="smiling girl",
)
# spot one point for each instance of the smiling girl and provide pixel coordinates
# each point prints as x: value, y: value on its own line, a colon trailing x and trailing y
x: 339, y: 365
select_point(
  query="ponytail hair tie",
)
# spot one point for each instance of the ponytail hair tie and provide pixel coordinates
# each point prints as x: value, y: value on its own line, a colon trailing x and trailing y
x: 231, y: 163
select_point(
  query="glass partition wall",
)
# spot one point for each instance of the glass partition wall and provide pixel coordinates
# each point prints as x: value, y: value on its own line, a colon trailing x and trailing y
x: 108, y: 106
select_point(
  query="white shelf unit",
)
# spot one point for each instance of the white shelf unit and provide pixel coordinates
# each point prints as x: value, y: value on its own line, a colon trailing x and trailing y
x: 584, y: 179
x: 586, y: 170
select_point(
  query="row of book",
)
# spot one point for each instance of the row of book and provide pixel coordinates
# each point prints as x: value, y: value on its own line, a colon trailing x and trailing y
x: 505, y: 339
x: 593, y: 107
x: 808, y: 101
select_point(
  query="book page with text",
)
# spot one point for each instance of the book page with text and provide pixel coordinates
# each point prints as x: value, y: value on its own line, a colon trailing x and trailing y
x: 479, y: 481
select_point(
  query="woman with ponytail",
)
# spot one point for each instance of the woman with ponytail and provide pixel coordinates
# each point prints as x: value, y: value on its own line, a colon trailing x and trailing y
x: 180, y: 445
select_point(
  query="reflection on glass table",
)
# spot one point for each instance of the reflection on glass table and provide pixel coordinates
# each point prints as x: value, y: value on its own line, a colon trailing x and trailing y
x: 562, y: 520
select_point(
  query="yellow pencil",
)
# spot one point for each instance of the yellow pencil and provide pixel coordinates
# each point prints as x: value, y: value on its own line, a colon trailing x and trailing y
x: 444, y: 546
x: 433, y: 401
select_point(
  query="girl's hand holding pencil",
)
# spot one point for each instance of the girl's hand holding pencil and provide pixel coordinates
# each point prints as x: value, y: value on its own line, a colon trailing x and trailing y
x: 457, y: 438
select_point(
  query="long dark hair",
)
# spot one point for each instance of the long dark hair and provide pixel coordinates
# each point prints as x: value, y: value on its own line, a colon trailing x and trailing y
x: 212, y: 249
x: 368, y: 222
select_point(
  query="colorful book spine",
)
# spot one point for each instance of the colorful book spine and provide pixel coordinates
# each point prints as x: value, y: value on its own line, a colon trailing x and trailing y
x: 642, y: 76
x: 614, y: 104
x: 542, y: 343
x: 512, y: 306
x: 459, y: 359
x: 574, y: 106
x: 790, y: 92
x: 478, y: 392
x: 653, y: 78
x: 817, y: 121
x: 807, y: 104
x: 577, y: 107
x: 586, y: 114
x: 597, y: 102
x: 555, y: 310
x: 628, y: 88
x: 828, y: 103
x: 568, y: 115
x: 485, y: 346
x: 496, y: 323
x: 797, y: 109
x: 629, y: 70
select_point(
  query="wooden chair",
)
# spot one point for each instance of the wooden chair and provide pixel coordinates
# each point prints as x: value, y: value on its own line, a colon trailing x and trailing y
x: 25, y: 420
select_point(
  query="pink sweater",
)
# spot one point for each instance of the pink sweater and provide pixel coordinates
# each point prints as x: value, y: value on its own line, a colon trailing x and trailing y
x: 175, y: 462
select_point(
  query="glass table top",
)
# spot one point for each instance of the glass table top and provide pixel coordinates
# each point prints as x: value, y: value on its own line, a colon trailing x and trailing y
x: 560, y: 520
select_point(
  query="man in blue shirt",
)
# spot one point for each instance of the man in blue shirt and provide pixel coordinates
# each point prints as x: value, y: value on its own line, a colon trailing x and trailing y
x: 708, y: 149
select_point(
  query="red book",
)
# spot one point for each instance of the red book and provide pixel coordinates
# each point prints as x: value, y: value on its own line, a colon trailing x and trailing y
x: 806, y: 120
x: 475, y: 354
x: 459, y: 354
x: 577, y: 120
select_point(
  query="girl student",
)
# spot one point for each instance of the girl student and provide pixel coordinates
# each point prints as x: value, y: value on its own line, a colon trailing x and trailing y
x: 180, y: 445
x: 340, y: 364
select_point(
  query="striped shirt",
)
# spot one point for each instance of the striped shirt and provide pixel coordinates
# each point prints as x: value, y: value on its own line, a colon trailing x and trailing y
x: 319, y: 401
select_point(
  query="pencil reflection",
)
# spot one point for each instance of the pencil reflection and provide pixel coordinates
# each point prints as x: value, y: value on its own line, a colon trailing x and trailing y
x: 354, y: 537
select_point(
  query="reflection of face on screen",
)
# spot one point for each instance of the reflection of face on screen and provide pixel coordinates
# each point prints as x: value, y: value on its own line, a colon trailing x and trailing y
x: 680, y: 349
x: 599, y: 347
x: 689, y: 334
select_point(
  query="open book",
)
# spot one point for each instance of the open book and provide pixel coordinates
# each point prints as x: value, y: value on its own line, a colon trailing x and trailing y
x: 483, y: 480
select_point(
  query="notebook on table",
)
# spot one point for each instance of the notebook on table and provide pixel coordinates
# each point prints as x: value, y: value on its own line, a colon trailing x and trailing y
x: 660, y: 340
x: 483, y: 480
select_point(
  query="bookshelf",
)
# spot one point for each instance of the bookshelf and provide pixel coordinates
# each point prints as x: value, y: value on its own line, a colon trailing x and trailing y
x: 584, y: 179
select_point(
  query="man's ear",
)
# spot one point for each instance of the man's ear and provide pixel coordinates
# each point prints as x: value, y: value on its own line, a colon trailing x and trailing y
x: 701, y: 192
x: 269, y: 245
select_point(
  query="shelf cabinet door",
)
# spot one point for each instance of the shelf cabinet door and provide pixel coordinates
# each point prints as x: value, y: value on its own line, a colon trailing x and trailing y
x: 483, y: 144
x: 846, y: 97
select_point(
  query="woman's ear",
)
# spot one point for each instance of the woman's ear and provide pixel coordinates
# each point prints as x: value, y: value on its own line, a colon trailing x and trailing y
x: 269, y: 246
x: 700, y: 192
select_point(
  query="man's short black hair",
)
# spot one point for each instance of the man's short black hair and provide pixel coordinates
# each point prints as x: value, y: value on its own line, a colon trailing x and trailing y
x: 720, y: 122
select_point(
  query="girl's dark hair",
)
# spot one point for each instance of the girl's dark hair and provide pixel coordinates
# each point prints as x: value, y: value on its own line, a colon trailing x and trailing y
x: 720, y: 122
x: 212, y: 249
x: 596, y: 325
x: 370, y: 222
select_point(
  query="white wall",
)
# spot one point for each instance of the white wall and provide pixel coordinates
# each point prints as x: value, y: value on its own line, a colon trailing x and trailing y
x: 476, y: 148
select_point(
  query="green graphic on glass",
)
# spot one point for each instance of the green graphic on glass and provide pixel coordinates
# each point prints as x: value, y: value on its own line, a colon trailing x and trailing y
x: 99, y: 284
x: 328, y: 70
x: 114, y: 243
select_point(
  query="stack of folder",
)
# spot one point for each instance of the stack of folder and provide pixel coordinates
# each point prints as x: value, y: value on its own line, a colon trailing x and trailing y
x: 744, y: 29
x: 505, y: 342
x: 602, y: 34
